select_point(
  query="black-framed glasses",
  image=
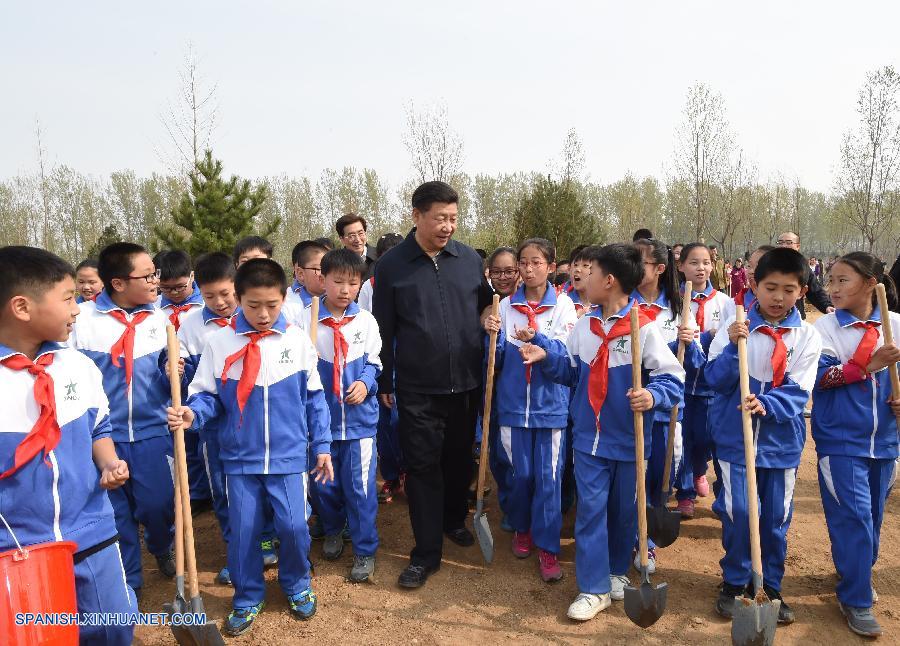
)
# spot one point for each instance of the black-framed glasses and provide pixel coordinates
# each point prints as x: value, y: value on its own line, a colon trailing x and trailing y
x: 174, y: 289
x: 502, y: 273
x: 150, y: 278
x: 317, y: 270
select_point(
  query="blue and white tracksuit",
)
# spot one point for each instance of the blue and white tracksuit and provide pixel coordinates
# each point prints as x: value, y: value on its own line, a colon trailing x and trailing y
x: 779, y: 436
x: 696, y: 422
x: 855, y: 433
x: 296, y: 306
x: 353, y: 496
x: 532, y: 418
x: 265, y: 451
x: 60, y: 499
x: 197, y: 480
x: 606, y: 521
x: 137, y: 414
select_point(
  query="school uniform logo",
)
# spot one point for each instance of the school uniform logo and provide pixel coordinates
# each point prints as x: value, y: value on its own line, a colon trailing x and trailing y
x: 152, y: 332
x: 716, y: 316
x: 790, y: 354
x: 669, y: 324
x: 286, y: 356
x: 71, y: 392
x: 357, y: 338
x: 620, y: 345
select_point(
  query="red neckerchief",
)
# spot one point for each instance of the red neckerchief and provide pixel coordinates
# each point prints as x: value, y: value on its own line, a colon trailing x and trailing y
x: 125, y: 344
x: 251, y: 356
x: 341, y: 348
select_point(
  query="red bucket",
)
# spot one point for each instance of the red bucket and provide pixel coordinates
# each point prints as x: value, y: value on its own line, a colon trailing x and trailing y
x: 38, y: 580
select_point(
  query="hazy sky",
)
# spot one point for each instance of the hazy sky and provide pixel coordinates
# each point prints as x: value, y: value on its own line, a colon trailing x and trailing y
x: 308, y: 85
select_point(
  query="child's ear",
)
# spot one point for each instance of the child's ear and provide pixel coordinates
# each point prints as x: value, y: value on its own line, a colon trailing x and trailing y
x: 551, y: 267
x: 803, y: 291
x: 118, y: 284
x: 20, y: 307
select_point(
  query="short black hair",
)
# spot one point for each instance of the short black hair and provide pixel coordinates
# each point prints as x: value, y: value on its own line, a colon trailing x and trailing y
x: 172, y: 264
x: 387, y: 241
x: 430, y: 192
x: 117, y: 261
x: 575, y: 253
x: 252, y: 242
x: 765, y: 248
x: 326, y: 242
x: 259, y: 272
x: 348, y: 219
x: 304, y: 250
x: 31, y: 271
x: 338, y: 260
x: 642, y: 234
x: 783, y: 260
x: 87, y: 263
x: 499, y: 251
x: 213, y: 267
x: 622, y: 261
x: 548, y: 251
x: 560, y: 278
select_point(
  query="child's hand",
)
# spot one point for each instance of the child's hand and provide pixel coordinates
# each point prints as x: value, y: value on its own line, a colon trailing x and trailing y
x: 895, y: 406
x: 182, y: 416
x: 180, y: 368
x: 386, y: 399
x: 114, y: 475
x: 883, y: 357
x: 738, y: 331
x: 323, y: 472
x: 641, y: 399
x: 491, y: 323
x: 686, y: 335
x: 525, y: 334
x: 356, y: 393
x: 532, y: 354
x: 752, y: 404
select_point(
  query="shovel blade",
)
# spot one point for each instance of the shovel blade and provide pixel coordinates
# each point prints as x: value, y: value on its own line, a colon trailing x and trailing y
x: 483, y: 532
x: 646, y: 603
x: 663, y: 525
x: 754, y: 623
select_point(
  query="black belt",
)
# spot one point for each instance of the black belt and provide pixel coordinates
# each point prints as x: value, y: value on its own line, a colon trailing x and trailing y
x: 78, y: 557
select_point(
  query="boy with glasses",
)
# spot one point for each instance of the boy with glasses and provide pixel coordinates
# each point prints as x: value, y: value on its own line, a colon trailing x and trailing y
x: 124, y: 335
x: 179, y: 295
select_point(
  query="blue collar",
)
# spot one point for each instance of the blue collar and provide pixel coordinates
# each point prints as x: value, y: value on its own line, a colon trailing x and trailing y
x: 352, y: 310
x: 549, y: 300
x: 846, y: 319
x: 46, y: 347
x: 194, y: 299
x: 106, y: 305
x: 241, y: 326
x: 662, y: 300
x: 302, y: 292
x: 597, y: 312
x: 706, y: 290
x: 756, y: 320
x: 208, y: 315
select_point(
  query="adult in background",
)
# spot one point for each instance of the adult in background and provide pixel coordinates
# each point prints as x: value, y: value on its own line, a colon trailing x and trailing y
x: 814, y: 293
x: 429, y: 294
x: 738, y: 277
x: 351, y: 229
x: 718, y: 270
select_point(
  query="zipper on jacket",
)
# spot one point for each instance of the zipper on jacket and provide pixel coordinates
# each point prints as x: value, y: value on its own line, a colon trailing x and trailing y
x: 874, y: 416
x: 437, y: 274
x: 265, y: 409
x: 57, y: 534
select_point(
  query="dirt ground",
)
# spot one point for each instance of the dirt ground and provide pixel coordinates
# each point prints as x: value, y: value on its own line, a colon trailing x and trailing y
x: 468, y: 602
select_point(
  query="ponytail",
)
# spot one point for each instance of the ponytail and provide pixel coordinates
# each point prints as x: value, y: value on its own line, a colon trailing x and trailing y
x: 669, y: 281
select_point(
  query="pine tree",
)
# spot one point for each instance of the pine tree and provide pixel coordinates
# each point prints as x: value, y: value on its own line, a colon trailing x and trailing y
x: 214, y: 214
x: 109, y: 235
x: 553, y: 211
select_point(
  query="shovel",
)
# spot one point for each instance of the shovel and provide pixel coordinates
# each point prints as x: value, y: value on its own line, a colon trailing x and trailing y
x: 754, y: 620
x: 199, y: 634
x: 314, y: 320
x: 482, y: 529
x: 888, y: 338
x: 645, y: 604
x: 664, y: 524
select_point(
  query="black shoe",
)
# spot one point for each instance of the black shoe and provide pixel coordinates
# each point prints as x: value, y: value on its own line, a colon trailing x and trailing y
x: 725, y: 602
x: 461, y: 536
x: 785, y: 614
x: 166, y: 563
x: 415, y: 576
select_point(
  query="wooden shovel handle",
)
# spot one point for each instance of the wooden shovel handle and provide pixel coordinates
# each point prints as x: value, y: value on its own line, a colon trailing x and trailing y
x: 314, y: 320
x: 888, y: 333
x: 673, y: 416
x: 636, y: 383
x: 181, y: 474
x: 488, y: 398
x: 174, y: 352
x: 749, y: 451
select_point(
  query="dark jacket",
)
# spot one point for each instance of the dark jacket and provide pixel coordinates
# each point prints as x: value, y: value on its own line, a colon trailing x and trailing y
x: 816, y: 295
x: 428, y: 313
x: 370, y: 263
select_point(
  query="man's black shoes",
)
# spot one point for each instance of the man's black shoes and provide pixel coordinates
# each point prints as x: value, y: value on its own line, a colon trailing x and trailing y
x: 461, y: 536
x: 415, y: 576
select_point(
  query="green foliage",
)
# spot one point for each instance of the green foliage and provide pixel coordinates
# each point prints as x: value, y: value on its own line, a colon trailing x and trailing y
x: 108, y: 236
x: 214, y: 214
x: 553, y: 211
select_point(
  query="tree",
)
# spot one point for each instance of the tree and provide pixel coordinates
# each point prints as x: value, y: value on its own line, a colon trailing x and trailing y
x: 108, y: 236
x: 553, y: 211
x: 214, y: 214
x: 702, y: 150
x: 572, y: 167
x: 436, y: 150
x: 867, y: 181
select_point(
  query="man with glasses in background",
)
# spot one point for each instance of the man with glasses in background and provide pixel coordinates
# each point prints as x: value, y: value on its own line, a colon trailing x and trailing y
x: 815, y: 293
x: 351, y: 229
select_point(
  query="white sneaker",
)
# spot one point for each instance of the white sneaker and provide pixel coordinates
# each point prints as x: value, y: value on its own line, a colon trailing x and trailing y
x: 651, y: 561
x: 618, y: 583
x: 586, y: 606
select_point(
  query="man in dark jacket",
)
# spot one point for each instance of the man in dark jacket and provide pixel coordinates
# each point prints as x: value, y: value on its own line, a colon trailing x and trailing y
x: 428, y: 297
x: 816, y: 295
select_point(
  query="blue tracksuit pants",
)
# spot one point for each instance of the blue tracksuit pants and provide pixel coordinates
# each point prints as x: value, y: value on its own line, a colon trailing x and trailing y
x: 697, y: 441
x: 605, y: 520
x: 287, y: 495
x: 352, y: 496
x: 101, y: 588
x: 197, y: 480
x: 209, y: 450
x: 854, y: 491
x: 775, y: 488
x: 535, y: 458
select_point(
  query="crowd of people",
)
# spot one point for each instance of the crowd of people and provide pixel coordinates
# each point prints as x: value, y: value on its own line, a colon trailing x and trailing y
x: 367, y: 359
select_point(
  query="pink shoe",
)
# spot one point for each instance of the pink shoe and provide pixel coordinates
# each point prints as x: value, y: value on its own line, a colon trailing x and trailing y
x: 549, y: 566
x: 686, y: 508
x: 701, y: 486
x: 521, y: 544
